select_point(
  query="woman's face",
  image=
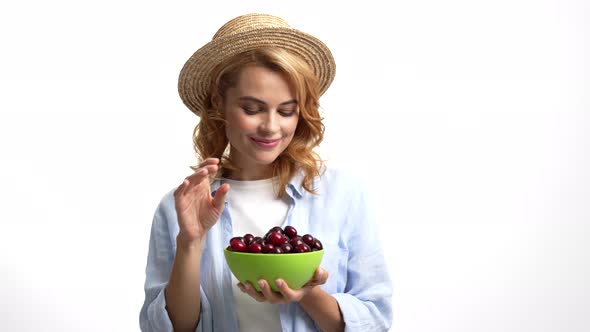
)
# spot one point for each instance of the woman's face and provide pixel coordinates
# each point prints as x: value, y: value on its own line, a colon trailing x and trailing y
x: 261, y: 114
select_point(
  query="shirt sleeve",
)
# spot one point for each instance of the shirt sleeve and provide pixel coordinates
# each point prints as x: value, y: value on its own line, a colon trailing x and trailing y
x: 366, y: 301
x: 153, y: 315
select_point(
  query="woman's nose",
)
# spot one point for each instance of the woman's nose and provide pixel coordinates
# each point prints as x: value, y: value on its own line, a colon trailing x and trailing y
x: 270, y: 123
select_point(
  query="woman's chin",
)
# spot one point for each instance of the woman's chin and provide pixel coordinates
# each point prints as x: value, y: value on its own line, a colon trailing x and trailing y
x: 265, y: 161
x: 265, y: 158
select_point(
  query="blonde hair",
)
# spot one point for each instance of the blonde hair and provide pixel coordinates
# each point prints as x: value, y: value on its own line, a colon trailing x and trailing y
x: 209, y: 137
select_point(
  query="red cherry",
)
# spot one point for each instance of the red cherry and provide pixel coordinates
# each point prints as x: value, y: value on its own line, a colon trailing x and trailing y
x: 317, y: 245
x: 276, y: 250
x: 275, y: 238
x: 290, y: 231
x: 267, y: 248
x: 302, y: 248
x: 287, y: 248
x: 272, y: 230
x: 296, y: 241
x: 238, y: 245
x: 255, y: 248
x: 248, y: 238
x: 284, y: 239
x: 277, y: 229
x: 308, y: 239
x: 236, y: 238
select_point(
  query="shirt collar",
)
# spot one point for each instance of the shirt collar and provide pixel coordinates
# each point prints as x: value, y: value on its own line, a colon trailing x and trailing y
x: 296, y: 185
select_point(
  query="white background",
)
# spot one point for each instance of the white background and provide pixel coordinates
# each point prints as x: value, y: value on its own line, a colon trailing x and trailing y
x: 471, y: 119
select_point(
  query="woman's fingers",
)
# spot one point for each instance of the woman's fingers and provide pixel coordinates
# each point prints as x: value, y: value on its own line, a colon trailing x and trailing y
x: 191, y: 181
x: 209, y: 161
x: 211, y: 169
x: 265, y: 295
x: 179, y: 192
x: 206, y: 167
x: 288, y: 294
x: 285, y: 294
x: 269, y: 294
x: 196, y: 178
x: 319, y: 277
x: 250, y: 290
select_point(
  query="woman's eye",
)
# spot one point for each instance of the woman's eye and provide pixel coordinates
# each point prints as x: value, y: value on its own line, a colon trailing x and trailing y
x: 250, y: 110
x: 286, y: 113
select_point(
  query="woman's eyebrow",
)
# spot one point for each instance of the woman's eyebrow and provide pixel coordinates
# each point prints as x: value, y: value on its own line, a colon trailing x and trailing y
x: 256, y: 100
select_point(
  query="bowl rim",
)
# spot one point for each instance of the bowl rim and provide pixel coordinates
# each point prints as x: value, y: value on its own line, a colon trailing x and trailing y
x: 263, y: 254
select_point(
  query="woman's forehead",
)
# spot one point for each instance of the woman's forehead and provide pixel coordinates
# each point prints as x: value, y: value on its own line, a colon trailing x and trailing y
x: 262, y: 84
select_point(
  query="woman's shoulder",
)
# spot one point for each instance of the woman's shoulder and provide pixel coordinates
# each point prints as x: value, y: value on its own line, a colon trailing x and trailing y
x: 165, y: 208
x: 167, y: 199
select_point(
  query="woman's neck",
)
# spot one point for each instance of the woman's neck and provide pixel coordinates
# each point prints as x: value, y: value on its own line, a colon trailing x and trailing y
x: 250, y: 175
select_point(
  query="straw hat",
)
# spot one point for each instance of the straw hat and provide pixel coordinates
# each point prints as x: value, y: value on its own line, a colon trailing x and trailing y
x: 245, y: 33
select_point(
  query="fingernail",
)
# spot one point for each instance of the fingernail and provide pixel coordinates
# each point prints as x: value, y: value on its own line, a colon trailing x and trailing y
x: 279, y: 283
x: 260, y: 283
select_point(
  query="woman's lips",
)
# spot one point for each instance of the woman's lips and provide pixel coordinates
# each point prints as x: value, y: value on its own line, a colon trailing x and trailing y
x: 265, y: 143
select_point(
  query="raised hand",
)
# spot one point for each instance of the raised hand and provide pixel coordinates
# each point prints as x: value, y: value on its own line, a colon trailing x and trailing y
x: 196, y: 209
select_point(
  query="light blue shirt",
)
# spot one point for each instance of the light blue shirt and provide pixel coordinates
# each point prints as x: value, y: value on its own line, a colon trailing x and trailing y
x: 340, y: 216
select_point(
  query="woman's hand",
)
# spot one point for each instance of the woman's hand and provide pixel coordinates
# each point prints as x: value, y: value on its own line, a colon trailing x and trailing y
x: 196, y: 209
x: 286, y: 294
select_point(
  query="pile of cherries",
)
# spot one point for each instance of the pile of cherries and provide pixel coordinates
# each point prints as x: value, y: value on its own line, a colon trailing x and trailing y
x: 276, y: 241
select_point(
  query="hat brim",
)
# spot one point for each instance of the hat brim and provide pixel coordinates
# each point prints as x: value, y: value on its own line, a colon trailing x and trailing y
x: 195, y: 76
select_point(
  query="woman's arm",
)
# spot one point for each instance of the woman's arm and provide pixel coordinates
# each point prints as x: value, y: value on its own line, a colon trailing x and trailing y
x: 323, y: 310
x: 196, y: 212
x: 365, y: 301
x: 183, y: 296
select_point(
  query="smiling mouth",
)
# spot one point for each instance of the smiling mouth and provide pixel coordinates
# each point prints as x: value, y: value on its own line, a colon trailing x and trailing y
x: 264, y: 140
x: 265, y: 143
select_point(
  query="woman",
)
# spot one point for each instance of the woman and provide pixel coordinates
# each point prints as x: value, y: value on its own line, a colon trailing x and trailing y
x: 256, y: 88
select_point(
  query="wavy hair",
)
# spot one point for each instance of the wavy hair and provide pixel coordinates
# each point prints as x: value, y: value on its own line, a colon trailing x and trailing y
x: 209, y: 137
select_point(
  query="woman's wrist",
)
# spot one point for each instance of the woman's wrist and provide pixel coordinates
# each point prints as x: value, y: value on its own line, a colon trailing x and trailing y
x: 189, y: 244
x: 311, y: 295
x: 323, y: 309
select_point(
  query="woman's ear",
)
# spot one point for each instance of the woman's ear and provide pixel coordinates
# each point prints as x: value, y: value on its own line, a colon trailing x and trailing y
x: 217, y: 102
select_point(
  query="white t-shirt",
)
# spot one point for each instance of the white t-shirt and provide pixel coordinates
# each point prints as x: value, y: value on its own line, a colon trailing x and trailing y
x: 255, y: 209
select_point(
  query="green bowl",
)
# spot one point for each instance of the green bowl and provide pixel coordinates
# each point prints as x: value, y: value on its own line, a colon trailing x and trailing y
x: 294, y: 269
